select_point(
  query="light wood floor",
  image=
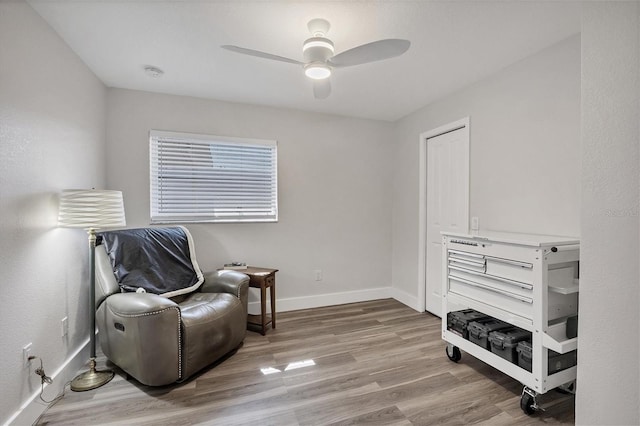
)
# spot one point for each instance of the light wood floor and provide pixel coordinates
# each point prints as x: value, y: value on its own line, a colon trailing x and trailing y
x: 376, y: 362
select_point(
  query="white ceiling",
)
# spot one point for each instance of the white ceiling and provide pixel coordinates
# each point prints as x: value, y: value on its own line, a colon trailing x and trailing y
x: 453, y: 44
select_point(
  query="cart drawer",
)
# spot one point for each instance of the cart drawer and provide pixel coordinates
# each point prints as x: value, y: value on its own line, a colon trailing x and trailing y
x: 500, y: 284
x: 510, y: 269
x: 468, y: 261
x: 507, y: 301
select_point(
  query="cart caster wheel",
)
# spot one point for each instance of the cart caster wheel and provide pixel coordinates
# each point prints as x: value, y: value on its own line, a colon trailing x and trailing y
x: 528, y: 404
x: 453, y: 352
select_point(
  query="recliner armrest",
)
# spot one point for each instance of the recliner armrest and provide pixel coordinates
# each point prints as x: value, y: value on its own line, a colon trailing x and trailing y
x: 141, y: 333
x: 228, y: 281
x: 138, y: 303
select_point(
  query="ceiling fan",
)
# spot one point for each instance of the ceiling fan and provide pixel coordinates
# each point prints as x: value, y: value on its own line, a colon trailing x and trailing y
x: 319, y: 58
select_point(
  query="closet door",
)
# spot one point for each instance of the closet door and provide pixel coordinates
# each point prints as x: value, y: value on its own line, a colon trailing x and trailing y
x: 447, y: 203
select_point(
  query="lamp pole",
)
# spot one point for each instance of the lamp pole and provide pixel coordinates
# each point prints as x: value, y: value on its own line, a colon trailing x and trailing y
x: 93, y: 378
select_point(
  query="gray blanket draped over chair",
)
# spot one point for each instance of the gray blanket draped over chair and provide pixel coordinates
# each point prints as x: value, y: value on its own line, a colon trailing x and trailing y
x: 157, y: 260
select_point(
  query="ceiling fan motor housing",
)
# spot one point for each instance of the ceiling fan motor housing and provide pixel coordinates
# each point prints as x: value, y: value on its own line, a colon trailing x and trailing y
x: 317, y: 49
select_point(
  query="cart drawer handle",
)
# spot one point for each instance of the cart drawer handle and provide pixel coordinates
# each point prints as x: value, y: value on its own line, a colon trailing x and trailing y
x: 454, y: 260
x: 511, y: 262
x: 465, y: 253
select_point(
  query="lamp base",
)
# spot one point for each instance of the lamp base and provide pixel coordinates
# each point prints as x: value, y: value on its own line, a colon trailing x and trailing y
x: 91, y: 379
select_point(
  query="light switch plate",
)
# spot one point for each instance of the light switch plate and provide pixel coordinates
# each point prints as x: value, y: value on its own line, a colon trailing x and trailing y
x: 64, y: 326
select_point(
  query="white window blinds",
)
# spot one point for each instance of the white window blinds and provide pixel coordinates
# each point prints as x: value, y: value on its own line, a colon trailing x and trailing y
x: 201, y: 178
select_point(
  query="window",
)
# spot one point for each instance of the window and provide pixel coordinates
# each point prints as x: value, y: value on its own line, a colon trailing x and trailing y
x: 202, y: 178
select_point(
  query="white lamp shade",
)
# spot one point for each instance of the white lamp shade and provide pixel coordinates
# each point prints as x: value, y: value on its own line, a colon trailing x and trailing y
x: 91, y: 209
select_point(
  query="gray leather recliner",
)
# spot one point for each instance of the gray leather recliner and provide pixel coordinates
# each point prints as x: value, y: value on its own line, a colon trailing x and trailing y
x: 159, y: 340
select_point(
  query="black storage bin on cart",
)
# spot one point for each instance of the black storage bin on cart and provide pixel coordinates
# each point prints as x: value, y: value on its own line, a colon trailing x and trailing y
x: 505, y: 342
x: 557, y: 362
x: 458, y: 321
x: 479, y: 330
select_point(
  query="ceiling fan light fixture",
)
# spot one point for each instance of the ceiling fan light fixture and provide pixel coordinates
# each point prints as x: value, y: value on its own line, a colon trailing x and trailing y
x: 317, y: 71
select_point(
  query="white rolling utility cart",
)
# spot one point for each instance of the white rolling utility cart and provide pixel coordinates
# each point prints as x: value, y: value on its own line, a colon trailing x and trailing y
x: 527, y: 281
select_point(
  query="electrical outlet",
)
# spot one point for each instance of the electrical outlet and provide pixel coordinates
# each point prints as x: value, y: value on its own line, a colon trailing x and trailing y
x: 26, y: 353
x: 64, y: 326
x: 318, y: 274
x: 475, y: 225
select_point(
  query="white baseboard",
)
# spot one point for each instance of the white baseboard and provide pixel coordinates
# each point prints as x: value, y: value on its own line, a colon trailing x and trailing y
x: 33, y: 407
x: 317, y: 301
x: 406, y: 299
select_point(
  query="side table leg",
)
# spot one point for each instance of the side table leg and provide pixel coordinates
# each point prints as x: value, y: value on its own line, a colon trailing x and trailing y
x: 272, y: 292
x: 263, y: 307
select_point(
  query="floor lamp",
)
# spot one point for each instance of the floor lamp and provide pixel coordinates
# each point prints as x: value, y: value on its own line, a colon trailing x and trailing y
x: 91, y: 209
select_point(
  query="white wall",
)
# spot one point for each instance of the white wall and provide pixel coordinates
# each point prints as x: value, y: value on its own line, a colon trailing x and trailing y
x: 52, y: 132
x: 525, y: 154
x: 608, y: 353
x: 334, y: 192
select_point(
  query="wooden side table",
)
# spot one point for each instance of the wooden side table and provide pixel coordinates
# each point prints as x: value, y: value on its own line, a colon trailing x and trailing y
x: 262, y: 278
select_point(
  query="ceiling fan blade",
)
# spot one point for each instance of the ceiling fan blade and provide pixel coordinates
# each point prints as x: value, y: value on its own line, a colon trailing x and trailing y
x: 322, y: 88
x: 260, y: 54
x: 371, y: 52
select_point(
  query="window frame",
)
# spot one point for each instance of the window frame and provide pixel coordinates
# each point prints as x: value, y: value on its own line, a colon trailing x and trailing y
x: 157, y: 216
